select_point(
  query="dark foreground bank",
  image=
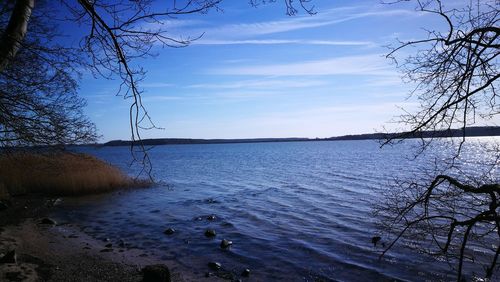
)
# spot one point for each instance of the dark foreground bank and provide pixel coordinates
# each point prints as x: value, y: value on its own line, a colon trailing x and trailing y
x: 32, y: 248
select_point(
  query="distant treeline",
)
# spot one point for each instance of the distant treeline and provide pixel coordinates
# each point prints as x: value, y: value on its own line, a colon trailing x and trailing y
x: 469, y: 132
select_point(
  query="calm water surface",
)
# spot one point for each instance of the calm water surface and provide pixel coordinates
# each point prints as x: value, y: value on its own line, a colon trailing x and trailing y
x: 298, y: 211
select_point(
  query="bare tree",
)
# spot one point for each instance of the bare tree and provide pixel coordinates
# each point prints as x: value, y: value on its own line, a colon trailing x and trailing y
x: 456, y: 76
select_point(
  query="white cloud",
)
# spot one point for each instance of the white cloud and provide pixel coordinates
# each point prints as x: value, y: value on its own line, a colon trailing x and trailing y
x: 373, y: 64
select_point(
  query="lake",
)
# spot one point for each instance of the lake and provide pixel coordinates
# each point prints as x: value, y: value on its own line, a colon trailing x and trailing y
x: 295, y: 211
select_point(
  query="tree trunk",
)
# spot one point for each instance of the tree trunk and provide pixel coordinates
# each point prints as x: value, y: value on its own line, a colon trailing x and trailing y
x: 16, y: 30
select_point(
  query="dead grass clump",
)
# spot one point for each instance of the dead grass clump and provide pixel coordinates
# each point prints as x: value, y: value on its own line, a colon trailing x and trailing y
x: 60, y: 174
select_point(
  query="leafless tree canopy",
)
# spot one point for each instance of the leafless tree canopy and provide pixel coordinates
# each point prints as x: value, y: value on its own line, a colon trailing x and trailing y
x: 456, y: 75
x: 455, y: 70
x: 38, y: 100
x: 117, y: 32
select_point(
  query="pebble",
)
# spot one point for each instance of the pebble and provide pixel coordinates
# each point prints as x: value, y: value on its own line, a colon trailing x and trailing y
x: 214, y: 265
x: 226, y: 243
x: 169, y: 231
x: 48, y: 221
x: 210, y: 233
x: 211, y: 217
x: 245, y: 272
x: 9, y: 257
x: 3, y: 205
x: 156, y: 273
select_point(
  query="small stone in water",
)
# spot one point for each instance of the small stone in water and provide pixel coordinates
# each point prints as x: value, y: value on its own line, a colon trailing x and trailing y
x: 169, y: 231
x: 214, y: 265
x: 210, y: 233
x: 246, y: 272
x: 211, y: 217
x: 108, y: 245
x: 225, y: 243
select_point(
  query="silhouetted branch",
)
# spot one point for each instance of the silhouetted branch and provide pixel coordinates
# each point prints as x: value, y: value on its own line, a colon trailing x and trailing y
x: 455, y: 72
x: 446, y: 210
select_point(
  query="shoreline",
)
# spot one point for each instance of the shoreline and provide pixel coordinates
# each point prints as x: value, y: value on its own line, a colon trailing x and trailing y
x: 63, y: 252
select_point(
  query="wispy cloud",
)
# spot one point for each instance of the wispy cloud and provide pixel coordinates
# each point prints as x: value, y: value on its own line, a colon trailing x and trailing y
x: 373, y: 64
x: 204, y: 41
x: 331, y: 17
x: 251, y: 33
x: 261, y: 84
x: 161, y: 98
x: 156, y: 85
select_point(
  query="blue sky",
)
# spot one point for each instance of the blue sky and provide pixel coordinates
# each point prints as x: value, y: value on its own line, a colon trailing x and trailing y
x: 257, y: 72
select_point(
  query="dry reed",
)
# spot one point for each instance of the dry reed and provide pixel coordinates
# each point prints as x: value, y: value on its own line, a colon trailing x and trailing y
x: 60, y: 174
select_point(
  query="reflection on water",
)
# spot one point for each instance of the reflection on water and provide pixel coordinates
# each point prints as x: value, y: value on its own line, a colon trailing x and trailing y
x: 298, y: 211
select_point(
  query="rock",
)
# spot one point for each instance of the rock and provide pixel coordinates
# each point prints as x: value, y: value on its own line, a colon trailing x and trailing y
x: 211, y: 201
x: 169, y: 231
x: 214, y: 265
x: 210, y: 233
x: 121, y: 243
x: 225, y: 243
x: 246, y: 272
x: 9, y: 257
x: 14, y: 276
x: 48, y: 221
x: 375, y: 240
x: 211, y: 217
x: 57, y: 202
x: 156, y: 273
x: 108, y: 245
x: 106, y: 250
x: 208, y: 274
x: 3, y: 205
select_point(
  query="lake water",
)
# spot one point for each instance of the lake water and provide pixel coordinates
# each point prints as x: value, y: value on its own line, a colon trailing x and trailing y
x: 297, y: 211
